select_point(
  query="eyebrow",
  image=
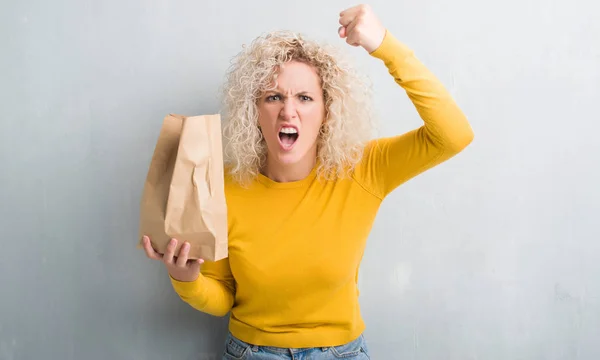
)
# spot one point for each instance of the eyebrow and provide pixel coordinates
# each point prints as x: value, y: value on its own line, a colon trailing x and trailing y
x: 280, y: 93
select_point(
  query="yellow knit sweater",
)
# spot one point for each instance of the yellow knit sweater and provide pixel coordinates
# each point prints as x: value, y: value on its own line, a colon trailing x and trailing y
x: 295, y: 248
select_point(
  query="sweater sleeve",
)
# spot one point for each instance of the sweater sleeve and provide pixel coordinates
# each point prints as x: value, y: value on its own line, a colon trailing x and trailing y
x: 212, y: 292
x: 389, y: 162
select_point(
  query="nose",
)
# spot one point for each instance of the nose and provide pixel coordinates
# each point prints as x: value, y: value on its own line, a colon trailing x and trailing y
x: 288, y: 111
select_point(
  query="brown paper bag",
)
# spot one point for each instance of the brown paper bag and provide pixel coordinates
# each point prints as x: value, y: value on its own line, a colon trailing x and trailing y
x: 184, y: 197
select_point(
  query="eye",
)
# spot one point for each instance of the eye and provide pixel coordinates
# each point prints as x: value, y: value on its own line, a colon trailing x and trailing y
x: 273, y: 98
x: 305, y: 98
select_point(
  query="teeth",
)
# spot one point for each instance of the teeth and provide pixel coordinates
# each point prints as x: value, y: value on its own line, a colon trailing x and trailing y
x: 288, y: 130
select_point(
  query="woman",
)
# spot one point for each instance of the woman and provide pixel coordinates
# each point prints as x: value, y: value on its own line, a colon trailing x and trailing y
x: 303, y: 186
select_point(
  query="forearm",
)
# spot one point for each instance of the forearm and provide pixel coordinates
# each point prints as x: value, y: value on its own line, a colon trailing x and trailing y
x: 446, y: 127
x: 206, y: 294
x: 393, y: 160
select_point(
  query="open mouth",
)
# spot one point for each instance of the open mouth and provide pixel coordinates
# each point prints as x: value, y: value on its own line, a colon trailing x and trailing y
x: 288, y: 136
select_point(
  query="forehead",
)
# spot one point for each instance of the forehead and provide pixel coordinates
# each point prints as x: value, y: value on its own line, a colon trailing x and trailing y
x: 297, y: 75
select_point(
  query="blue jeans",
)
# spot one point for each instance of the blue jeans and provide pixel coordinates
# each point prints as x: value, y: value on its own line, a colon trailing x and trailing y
x: 236, y: 349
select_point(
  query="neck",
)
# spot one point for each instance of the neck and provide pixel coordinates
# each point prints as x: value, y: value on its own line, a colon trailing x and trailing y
x: 282, y: 173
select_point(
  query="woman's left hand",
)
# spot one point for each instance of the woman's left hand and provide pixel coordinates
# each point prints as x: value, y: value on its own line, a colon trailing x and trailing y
x: 361, y: 27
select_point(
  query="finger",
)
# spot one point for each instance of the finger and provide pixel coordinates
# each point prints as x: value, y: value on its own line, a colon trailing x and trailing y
x: 168, y: 257
x: 150, y: 252
x: 342, y: 32
x: 352, y: 36
x: 350, y: 12
x: 182, y: 258
x: 347, y: 19
x: 347, y: 16
x: 195, y: 263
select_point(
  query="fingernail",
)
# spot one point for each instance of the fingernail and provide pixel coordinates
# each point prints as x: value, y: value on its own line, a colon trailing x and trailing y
x: 186, y: 246
x: 201, y: 261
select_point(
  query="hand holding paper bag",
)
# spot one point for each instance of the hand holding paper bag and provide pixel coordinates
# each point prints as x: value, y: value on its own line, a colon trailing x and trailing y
x: 179, y: 267
x: 184, y: 195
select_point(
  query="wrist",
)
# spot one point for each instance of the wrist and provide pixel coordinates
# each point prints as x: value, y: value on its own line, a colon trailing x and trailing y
x: 376, y: 41
x: 184, y: 279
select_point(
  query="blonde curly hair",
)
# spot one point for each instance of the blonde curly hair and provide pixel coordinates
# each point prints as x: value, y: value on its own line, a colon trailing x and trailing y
x: 348, y: 125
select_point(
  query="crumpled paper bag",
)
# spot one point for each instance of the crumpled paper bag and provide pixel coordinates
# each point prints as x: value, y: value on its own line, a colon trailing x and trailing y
x: 183, y: 196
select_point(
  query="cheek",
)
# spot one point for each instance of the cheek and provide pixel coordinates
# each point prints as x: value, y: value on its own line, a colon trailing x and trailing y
x: 312, y: 119
x: 267, y: 116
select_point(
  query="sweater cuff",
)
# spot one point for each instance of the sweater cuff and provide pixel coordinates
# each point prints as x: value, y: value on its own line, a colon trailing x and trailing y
x: 188, y: 288
x: 391, y: 49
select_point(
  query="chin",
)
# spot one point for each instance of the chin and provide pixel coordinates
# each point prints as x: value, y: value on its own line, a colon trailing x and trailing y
x: 289, y: 158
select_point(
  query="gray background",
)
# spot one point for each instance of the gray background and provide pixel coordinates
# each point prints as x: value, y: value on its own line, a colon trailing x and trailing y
x: 492, y: 255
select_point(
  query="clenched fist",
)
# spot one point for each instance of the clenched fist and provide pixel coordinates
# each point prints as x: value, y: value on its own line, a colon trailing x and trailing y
x: 361, y: 27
